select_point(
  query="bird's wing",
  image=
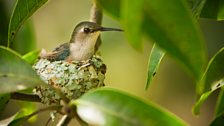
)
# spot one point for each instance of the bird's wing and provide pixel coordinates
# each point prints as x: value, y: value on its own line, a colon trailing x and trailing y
x: 59, y: 53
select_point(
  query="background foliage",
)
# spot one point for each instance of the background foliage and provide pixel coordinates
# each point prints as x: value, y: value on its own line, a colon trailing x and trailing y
x: 176, y: 32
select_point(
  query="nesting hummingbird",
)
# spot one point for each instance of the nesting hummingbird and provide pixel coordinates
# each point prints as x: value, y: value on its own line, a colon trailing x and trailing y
x: 82, y: 43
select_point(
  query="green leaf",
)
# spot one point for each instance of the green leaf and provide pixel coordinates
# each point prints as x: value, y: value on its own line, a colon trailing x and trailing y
x: 24, y: 41
x: 109, y: 107
x: 213, y: 9
x: 111, y: 6
x: 15, y: 73
x: 22, y: 11
x: 218, y: 121
x: 219, y: 109
x: 4, y: 98
x: 155, y: 58
x: 212, y: 79
x: 132, y: 15
x: 172, y: 27
x: 197, y: 6
x: 201, y: 100
x: 214, y: 74
x: 15, y: 120
x: 31, y: 57
x: 4, y: 23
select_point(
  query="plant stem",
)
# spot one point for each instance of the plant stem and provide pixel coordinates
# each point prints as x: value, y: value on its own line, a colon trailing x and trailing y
x: 64, y: 121
x: 25, y: 97
x: 96, y: 16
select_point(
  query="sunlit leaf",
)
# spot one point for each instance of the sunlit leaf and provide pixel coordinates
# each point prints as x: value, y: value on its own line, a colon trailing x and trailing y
x: 22, y: 11
x: 213, y: 9
x: 155, y: 58
x: 15, y: 73
x: 109, y: 107
x: 201, y: 100
x: 24, y: 40
x: 132, y: 15
x: 31, y: 57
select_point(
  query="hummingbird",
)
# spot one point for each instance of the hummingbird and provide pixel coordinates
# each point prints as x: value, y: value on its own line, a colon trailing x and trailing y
x: 82, y: 43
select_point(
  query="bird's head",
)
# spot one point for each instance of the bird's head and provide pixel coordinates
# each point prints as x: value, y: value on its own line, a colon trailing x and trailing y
x: 88, y: 32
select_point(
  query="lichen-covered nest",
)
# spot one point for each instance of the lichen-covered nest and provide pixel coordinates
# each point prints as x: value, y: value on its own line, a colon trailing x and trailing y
x: 72, y: 79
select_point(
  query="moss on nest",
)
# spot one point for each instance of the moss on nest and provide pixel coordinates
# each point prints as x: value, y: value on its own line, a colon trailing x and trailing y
x: 73, y: 79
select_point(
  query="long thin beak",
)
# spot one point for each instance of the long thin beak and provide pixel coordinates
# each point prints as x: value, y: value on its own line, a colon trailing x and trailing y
x: 109, y: 29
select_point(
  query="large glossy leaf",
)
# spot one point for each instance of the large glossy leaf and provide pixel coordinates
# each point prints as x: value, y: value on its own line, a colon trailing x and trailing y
x: 15, y: 73
x: 155, y: 58
x: 172, y: 27
x: 132, y: 15
x: 22, y: 11
x: 25, y: 40
x: 213, y: 9
x: 109, y: 107
x: 212, y: 79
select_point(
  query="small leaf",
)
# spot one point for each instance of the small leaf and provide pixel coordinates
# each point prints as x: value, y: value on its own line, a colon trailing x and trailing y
x: 173, y: 28
x: 111, y: 6
x: 213, y: 9
x: 15, y: 73
x: 214, y: 73
x: 31, y: 57
x: 201, y: 100
x: 4, y: 99
x: 212, y: 79
x: 155, y: 58
x: 132, y: 15
x: 22, y: 11
x: 109, y: 107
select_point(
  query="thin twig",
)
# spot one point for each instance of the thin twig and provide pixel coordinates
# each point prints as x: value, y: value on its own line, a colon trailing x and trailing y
x: 25, y: 97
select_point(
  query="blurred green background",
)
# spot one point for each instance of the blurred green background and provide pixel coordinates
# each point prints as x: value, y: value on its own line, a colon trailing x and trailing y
x: 172, y: 87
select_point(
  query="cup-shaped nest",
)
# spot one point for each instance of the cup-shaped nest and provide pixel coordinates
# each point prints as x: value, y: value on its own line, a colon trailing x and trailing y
x: 71, y: 78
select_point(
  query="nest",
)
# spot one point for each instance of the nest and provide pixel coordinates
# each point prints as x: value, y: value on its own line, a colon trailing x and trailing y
x: 72, y: 79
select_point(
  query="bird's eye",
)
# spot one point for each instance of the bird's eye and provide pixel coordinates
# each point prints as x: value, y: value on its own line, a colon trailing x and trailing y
x: 86, y: 30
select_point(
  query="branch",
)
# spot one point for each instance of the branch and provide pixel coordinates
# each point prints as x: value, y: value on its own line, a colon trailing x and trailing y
x: 25, y: 97
x: 96, y: 16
